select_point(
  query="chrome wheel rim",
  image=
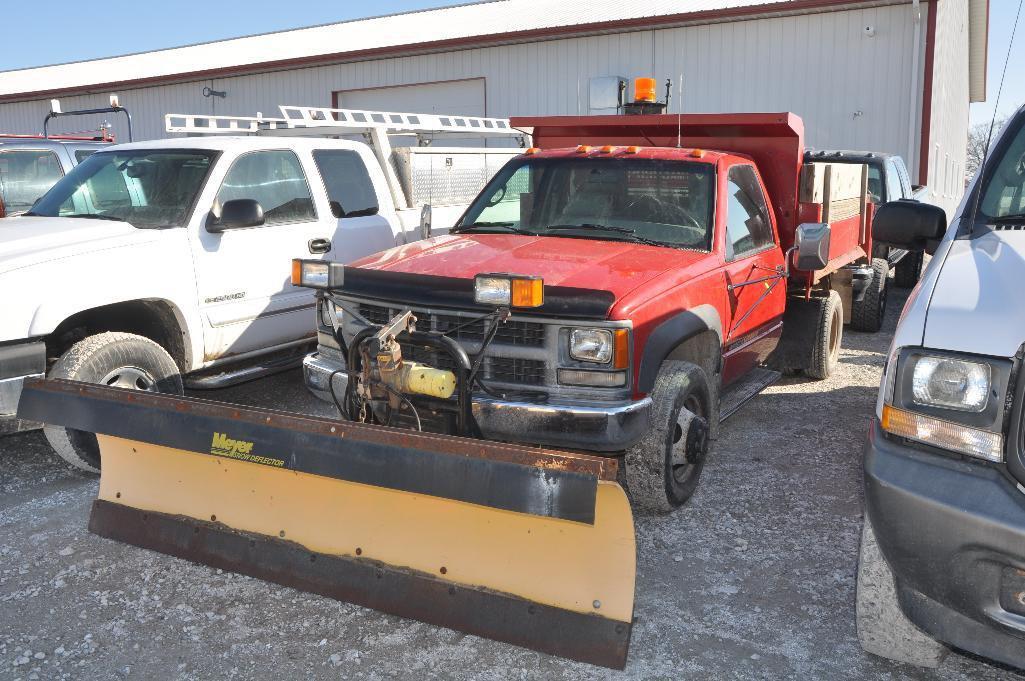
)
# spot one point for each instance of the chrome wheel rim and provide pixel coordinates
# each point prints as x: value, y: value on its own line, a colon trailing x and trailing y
x: 132, y: 378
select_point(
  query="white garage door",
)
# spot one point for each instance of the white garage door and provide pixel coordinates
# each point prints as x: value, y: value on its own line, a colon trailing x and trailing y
x: 460, y: 97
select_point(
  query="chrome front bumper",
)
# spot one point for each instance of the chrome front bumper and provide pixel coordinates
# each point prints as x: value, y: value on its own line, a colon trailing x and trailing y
x: 598, y: 428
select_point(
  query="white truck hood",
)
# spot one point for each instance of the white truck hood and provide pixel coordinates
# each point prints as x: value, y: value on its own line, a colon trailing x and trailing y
x: 975, y: 305
x: 27, y: 241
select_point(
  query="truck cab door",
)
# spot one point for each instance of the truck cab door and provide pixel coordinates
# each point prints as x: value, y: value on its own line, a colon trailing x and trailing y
x: 354, y: 206
x: 245, y: 293
x: 756, y: 287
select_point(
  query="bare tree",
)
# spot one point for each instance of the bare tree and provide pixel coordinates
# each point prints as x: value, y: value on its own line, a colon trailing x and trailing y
x: 978, y: 136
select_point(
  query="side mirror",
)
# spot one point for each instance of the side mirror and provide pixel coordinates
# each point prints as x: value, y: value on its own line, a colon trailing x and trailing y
x: 425, y: 222
x: 237, y: 214
x: 909, y: 224
x: 812, y: 244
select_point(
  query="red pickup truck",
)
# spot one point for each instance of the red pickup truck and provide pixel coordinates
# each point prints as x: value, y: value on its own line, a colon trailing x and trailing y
x: 620, y: 288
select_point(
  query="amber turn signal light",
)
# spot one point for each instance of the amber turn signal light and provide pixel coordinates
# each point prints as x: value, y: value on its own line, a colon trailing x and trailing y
x: 621, y: 349
x: 528, y: 292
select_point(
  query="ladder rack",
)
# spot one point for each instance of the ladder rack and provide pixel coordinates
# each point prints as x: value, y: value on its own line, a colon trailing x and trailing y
x: 321, y: 121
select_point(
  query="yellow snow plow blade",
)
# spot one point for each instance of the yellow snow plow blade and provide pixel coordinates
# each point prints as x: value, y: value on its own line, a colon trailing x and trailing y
x: 529, y: 546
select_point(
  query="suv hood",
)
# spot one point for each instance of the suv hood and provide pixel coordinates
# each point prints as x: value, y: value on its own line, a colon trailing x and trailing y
x: 26, y: 241
x: 614, y: 266
x: 975, y: 304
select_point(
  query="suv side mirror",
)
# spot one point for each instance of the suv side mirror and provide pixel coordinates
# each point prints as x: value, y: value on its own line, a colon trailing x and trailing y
x: 909, y: 224
x: 237, y: 214
x: 812, y: 244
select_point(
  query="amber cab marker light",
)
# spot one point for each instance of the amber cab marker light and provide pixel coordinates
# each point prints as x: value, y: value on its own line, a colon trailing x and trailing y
x: 297, y: 272
x: 621, y: 349
x: 644, y: 90
x: 607, y: 149
x: 583, y: 148
x: 632, y: 149
x: 528, y: 292
x: 697, y: 153
x: 531, y: 151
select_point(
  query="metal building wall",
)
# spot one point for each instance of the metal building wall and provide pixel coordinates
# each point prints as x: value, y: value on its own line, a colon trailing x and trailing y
x: 948, y: 130
x: 853, y: 91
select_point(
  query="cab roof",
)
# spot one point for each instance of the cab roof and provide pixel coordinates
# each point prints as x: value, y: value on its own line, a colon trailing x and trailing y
x: 691, y: 154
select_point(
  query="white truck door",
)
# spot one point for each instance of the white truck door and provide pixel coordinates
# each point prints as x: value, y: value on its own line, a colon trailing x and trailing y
x: 244, y: 275
x: 359, y: 213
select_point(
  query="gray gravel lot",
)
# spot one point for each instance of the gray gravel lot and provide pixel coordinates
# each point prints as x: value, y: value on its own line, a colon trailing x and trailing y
x: 755, y: 578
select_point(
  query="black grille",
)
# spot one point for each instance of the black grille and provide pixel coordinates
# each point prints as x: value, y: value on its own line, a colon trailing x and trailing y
x: 529, y: 334
x: 514, y: 370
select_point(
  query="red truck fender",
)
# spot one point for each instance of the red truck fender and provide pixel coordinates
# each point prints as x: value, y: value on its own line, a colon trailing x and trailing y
x: 666, y: 339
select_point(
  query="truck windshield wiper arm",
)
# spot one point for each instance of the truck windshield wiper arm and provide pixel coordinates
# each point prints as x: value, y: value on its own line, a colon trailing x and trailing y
x: 1008, y: 219
x: 94, y: 216
x: 631, y: 233
x: 505, y: 226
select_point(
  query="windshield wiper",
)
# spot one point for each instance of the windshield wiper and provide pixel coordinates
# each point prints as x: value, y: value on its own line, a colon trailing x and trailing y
x: 630, y: 233
x: 94, y: 216
x: 506, y: 226
x: 1010, y: 218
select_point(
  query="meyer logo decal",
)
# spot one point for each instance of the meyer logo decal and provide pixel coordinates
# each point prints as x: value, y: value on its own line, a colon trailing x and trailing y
x: 222, y: 445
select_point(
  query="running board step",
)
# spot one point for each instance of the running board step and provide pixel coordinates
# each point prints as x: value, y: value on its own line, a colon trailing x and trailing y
x: 244, y: 373
x: 743, y: 390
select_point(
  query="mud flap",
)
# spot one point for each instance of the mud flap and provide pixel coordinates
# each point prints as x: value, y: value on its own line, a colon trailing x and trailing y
x: 523, y: 545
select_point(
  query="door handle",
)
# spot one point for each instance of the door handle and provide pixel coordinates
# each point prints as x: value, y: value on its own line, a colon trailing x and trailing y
x: 319, y: 245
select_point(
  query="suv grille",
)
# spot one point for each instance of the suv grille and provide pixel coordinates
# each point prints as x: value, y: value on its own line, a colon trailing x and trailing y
x: 530, y: 334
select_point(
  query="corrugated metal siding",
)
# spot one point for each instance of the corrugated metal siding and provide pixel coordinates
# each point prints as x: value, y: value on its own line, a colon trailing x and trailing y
x: 820, y: 66
x: 459, y: 22
x: 948, y: 131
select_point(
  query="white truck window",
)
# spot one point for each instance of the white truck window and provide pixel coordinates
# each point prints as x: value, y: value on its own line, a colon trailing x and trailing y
x: 276, y: 180
x: 747, y: 223
x: 347, y: 182
x: 25, y: 176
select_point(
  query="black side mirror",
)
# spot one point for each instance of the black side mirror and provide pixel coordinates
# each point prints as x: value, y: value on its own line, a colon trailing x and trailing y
x: 236, y: 214
x: 909, y: 224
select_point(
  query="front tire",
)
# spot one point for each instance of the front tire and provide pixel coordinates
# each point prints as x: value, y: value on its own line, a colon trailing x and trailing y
x: 121, y: 360
x: 663, y: 469
x: 883, y: 628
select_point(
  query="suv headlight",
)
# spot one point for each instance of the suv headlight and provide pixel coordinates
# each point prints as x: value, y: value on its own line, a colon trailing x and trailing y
x: 950, y: 383
x: 591, y: 345
x: 947, y: 400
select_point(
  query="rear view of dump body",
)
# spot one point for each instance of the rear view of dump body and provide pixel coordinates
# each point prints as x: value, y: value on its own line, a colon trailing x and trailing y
x: 528, y: 546
x: 798, y: 192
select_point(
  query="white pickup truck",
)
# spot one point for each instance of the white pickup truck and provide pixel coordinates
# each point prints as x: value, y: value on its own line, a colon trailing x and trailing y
x: 160, y: 264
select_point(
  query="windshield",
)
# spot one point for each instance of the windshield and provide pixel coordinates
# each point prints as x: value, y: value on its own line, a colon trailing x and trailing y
x: 647, y: 200
x: 25, y: 175
x: 148, y: 188
x: 1003, y: 194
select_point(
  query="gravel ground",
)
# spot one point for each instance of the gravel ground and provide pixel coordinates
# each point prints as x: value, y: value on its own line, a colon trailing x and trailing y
x: 755, y: 578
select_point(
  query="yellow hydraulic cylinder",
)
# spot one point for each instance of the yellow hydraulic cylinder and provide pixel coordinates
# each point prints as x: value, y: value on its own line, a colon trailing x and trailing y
x: 420, y: 379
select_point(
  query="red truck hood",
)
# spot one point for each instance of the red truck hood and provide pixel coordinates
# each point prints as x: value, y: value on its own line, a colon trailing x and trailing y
x: 614, y: 266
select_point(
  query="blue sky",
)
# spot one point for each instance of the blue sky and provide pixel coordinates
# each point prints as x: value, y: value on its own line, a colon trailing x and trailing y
x: 72, y: 30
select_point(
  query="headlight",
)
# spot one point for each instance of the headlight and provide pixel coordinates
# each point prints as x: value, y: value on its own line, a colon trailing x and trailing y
x: 951, y: 383
x: 947, y: 400
x: 591, y: 345
x: 508, y: 290
x: 317, y: 274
